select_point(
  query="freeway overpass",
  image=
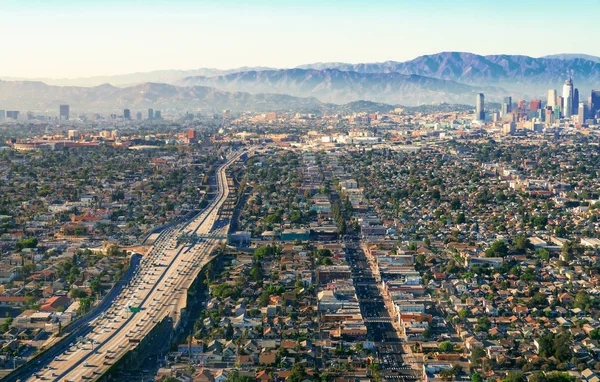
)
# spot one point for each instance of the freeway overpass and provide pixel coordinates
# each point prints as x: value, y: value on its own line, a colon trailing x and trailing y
x: 158, y: 289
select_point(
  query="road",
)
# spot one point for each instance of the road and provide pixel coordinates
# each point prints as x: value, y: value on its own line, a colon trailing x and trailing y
x: 79, y: 328
x: 158, y: 290
x: 380, y: 330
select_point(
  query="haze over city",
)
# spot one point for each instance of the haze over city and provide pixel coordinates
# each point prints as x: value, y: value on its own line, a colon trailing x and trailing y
x: 299, y: 191
x: 70, y: 39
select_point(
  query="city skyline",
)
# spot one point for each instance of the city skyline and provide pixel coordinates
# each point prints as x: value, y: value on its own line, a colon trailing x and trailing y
x: 108, y: 38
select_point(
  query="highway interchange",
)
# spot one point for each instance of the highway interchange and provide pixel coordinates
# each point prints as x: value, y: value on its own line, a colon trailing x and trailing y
x: 158, y: 289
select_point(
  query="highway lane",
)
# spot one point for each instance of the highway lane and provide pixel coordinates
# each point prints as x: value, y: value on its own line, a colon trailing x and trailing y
x: 158, y: 289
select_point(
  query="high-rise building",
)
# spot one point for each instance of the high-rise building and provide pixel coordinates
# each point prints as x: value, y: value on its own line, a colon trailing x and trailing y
x: 508, y: 102
x: 595, y: 102
x: 568, y: 98
x: 157, y: 114
x: 2, y: 115
x: 191, y: 134
x: 549, y: 117
x: 581, y: 113
x: 127, y: 114
x: 150, y: 114
x: 575, y: 109
x: 12, y: 114
x: 480, y: 107
x: 568, y: 88
x: 568, y: 110
x: 535, y: 105
x: 138, y: 116
x: 64, y: 112
x: 552, y: 98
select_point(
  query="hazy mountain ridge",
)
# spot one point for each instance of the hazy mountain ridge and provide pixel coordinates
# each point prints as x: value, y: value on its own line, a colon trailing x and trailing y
x: 38, y: 96
x: 131, y: 79
x: 451, y: 77
x: 339, y: 86
x: 524, y: 74
x: 570, y: 56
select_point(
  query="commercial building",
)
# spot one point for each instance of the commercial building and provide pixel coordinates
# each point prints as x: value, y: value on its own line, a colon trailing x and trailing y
x: 64, y: 112
x: 552, y: 98
x: 595, y: 102
x: 73, y: 134
x: 150, y: 114
x: 581, y: 113
x: 568, y: 98
x: 127, y: 114
x: 480, y: 107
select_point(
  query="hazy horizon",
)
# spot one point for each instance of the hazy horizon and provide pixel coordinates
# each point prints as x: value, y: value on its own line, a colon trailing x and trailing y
x: 74, y: 39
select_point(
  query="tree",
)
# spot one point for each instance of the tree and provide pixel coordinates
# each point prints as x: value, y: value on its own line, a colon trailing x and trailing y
x: 298, y: 373
x: 78, y: 293
x: 477, y: 354
x: 522, y: 243
x: 582, y: 300
x: 446, y: 347
x: 543, y: 254
x: 514, y: 377
x: 95, y: 285
x: 497, y: 249
x: 455, y: 204
x: 475, y: 377
x: 30, y: 242
x: 229, y: 332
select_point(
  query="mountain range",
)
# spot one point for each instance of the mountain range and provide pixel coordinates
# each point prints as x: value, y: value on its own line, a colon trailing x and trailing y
x: 522, y: 74
x: 451, y: 77
x: 38, y: 96
x: 342, y: 86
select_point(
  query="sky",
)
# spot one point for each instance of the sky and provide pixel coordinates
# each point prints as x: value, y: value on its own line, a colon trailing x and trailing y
x: 81, y: 38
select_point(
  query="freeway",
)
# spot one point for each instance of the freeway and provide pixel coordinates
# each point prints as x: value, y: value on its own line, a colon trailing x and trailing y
x: 157, y: 291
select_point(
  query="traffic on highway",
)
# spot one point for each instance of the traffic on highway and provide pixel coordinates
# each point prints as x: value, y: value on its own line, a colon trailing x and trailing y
x: 156, y: 291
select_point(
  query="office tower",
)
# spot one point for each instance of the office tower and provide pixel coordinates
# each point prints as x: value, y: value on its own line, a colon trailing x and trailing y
x: 549, y: 115
x: 509, y: 128
x: 581, y: 113
x: 575, y: 109
x: 2, y: 115
x: 138, y: 116
x: 560, y: 103
x: 64, y: 112
x: 595, y: 102
x: 150, y: 114
x: 568, y: 110
x: 157, y: 115
x: 191, y: 134
x: 127, y: 114
x: 535, y: 105
x: 480, y: 107
x: 568, y: 89
x: 568, y: 98
x: 12, y: 114
x: 552, y: 97
x: 508, y: 102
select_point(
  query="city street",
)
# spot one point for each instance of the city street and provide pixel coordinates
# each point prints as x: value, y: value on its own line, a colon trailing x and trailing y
x: 380, y: 329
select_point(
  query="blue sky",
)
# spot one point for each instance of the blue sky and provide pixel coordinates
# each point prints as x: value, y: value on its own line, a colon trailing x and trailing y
x: 61, y: 38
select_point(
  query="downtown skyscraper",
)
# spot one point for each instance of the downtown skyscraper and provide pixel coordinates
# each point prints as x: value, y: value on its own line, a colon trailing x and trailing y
x: 480, y: 107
